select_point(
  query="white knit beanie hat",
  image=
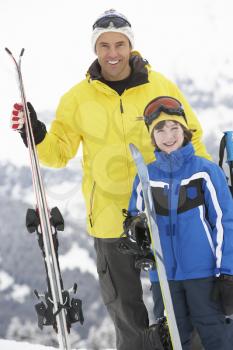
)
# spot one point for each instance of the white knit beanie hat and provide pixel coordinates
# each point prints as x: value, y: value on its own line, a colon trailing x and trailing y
x: 111, y: 21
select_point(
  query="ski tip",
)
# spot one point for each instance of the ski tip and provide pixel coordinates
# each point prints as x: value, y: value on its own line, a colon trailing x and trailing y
x: 8, y: 51
x: 22, y: 52
x: 134, y: 150
x: 132, y: 147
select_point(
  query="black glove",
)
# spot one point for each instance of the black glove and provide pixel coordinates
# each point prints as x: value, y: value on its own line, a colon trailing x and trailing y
x: 136, y: 229
x: 38, y: 128
x: 223, y: 293
x: 136, y: 240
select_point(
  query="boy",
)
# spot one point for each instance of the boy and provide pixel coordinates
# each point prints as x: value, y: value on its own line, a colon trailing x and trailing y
x: 194, y: 211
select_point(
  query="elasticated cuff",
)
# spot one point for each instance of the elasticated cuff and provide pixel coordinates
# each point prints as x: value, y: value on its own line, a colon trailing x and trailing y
x: 39, y: 133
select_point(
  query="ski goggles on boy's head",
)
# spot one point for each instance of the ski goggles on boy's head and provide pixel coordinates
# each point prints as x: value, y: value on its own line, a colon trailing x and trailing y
x: 111, y: 20
x: 167, y: 106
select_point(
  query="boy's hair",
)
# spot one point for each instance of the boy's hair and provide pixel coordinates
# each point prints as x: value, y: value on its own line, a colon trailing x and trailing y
x: 187, y: 133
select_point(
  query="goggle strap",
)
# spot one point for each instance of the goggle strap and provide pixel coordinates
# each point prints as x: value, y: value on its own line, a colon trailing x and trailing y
x: 171, y: 111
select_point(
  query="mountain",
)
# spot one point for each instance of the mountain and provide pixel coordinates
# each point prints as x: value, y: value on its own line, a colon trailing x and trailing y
x: 22, y: 268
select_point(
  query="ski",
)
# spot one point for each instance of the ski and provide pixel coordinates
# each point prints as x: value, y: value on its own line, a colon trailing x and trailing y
x: 227, y: 143
x: 156, y: 245
x: 57, y: 310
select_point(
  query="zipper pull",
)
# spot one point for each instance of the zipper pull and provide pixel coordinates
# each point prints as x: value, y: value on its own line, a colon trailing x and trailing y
x: 121, y: 107
x: 90, y: 220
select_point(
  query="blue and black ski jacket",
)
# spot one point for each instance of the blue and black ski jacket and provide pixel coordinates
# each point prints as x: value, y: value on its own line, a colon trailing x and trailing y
x: 194, y: 210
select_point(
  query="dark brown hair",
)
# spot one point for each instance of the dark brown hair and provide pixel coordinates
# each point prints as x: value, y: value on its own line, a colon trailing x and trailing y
x: 187, y: 133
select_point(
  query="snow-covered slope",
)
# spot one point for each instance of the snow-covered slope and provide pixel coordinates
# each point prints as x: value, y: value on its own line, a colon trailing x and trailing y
x: 13, y: 345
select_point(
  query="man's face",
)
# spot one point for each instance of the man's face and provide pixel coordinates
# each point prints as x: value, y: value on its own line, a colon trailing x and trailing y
x: 113, y: 51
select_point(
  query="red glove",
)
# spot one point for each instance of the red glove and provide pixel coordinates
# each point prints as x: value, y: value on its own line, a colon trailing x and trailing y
x: 17, y: 117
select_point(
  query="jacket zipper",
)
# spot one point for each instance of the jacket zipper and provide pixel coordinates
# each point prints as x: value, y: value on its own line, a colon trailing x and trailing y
x: 170, y: 219
x: 124, y: 133
x: 91, y: 204
x: 94, y: 184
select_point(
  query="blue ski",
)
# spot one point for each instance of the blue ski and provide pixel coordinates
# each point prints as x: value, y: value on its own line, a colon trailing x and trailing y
x: 227, y: 143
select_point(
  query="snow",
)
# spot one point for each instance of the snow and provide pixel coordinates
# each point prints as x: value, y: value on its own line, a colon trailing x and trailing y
x: 20, y: 292
x: 13, y: 345
x: 5, y: 280
x: 84, y: 262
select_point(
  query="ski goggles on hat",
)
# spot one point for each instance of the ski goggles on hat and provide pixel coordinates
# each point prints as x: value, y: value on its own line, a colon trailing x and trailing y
x: 166, y: 104
x: 116, y: 21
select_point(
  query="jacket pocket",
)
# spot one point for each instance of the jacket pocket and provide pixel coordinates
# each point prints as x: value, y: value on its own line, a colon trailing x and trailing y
x: 195, y: 243
x: 106, y: 284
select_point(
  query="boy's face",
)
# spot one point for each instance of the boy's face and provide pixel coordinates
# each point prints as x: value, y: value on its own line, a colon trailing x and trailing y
x: 170, y: 137
x: 113, y: 50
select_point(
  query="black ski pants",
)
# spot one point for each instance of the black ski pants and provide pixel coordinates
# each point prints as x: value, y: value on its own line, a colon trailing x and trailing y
x: 121, y: 291
x: 193, y: 308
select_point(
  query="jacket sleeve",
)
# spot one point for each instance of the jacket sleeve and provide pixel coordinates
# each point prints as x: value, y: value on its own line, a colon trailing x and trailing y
x: 193, y: 122
x: 136, y: 203
x: 219, y: 205
x: 62, y: 141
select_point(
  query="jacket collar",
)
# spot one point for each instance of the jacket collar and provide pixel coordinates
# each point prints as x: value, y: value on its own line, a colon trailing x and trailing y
x: 139, y: 73
x: 174, y: 161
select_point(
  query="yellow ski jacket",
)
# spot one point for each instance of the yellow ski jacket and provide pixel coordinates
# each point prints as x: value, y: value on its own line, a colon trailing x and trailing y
x: 106, y: 122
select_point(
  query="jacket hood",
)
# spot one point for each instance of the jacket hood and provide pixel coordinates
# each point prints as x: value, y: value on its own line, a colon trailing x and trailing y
x: 139, y: 75
x: 174, y: 161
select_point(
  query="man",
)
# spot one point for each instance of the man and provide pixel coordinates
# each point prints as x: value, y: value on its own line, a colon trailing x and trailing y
x: 101, y: 112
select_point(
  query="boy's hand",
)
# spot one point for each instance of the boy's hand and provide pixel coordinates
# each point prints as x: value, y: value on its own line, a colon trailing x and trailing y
x: 223, y: 292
